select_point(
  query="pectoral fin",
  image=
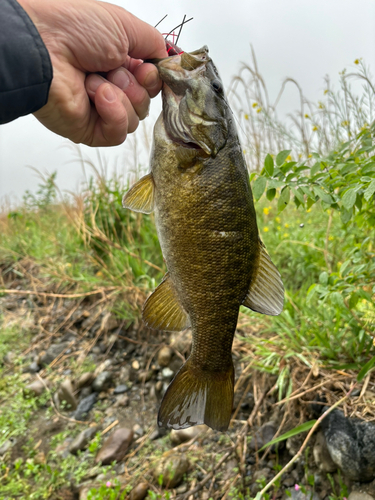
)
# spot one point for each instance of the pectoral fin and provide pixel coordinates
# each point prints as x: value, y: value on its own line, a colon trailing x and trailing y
x: 163, y: 311
x: 140, y: 197
x: 266, y: 292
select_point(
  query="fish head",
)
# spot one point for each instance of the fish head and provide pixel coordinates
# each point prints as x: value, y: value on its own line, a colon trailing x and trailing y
x: 195, y: 110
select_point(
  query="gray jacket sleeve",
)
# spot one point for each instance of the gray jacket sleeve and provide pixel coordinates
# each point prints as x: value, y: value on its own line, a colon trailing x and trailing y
x: 25, y: 65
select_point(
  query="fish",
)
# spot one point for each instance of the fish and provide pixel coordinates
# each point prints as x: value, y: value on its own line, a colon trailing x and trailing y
x: 199, y: 191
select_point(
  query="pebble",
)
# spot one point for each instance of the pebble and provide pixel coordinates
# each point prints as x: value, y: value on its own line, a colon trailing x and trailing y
x: 321, y: 454
x: 299, y: 495
x: 102, y: 367
x: 358, y: 495
x: 115, y: 447
x: 139, y: 492
x: 120, y: 389
x: 36, y: 388
x: 102, y: 381
x: 65, y: 396
x: 137, y: 429
x: 122, y: 401
x: 7, y: 445
x: 52, y: 352
x: 82, y: 440
x: 84, y: 380
x: 164, y: 356
x: 172, y: 468
x: 263, y: 435
x: 167, y: 373
x: 135, y: 365
x: 183, y: 435
x: 84, y: 406
x: 261, y: 474
x: 32, y: 368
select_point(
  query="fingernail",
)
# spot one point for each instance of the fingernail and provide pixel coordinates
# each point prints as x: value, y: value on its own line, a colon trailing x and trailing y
x: 151, y: 79
x: 109, y: 93
x: 121, y: 79
x: 94, y: 82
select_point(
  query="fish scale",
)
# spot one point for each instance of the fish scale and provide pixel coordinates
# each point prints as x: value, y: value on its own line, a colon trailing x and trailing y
x: 200, y: 192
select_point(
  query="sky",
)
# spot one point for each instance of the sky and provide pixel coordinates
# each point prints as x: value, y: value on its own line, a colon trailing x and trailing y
x: 302, y: 39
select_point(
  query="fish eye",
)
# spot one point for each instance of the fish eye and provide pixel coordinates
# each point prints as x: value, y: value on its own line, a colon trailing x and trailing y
x: 217, y: 86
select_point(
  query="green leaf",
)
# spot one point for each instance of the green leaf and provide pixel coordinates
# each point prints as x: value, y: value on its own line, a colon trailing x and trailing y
x: 282, y: 156
x: 315, y: 168
x: 368, y: 366
x: 323, y: 278
x: 323, y: 195
x: 271, y: 193
x: 268, y: 165
x: 370, y: 190
x: 297, y: 430
x: 349, y: 198
x: 284, y: 199
x: 346, y: 215
x: 337, y: 299
x: 353, y: 301
x: 259, y: 185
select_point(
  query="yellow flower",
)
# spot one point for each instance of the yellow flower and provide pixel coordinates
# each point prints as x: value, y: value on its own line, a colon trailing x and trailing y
x: 246, y: 116
x: 326, y: 91
x: 289, y: 158
x: 345, y: 123
x: 307, y: 116
x: 331, y: 238
x: 315, y: 128
x: 308, y: 210
x: 356, y: 61
x: 266, y: 211
x: 285, y: 235
x: 266, y: 229
x: 310, y: 156
x: 259, y: 110
x: 277, y: 219
x: 255, y: 104
x: 69, y: 264
x: 286, y: 225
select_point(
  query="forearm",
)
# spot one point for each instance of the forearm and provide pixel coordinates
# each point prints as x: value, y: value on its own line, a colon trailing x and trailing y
x: 25, y: 66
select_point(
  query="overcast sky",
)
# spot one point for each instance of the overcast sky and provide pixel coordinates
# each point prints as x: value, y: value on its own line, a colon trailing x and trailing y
x: 303, y: 39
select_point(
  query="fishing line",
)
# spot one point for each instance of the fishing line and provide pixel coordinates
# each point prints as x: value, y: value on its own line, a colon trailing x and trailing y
x: 161, y: 20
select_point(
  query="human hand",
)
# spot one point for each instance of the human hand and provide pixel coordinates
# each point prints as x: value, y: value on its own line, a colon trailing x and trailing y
x: 84, y: 37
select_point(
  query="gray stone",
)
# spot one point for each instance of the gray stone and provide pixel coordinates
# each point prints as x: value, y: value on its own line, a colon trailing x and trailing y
x: 358, y: 495
x: 263, y: 435
x: 167, y: 373
x: 36, y: 388
x: 52, y: 352
x: 299, y: 495
x: 84, y: 406
x: 120, y: 389
x: 115, y: 447
x: 321, y: 454
x: 351, y: 444
x: 65, y: 396
x: 82, y: 440
x: 32, y: 368
x: 261, y: 474
x: 172, y: 468
x: 183, y: 435
x: 164, y: 356
x: 139, y: 492
x: 7, y: 445
x: 102, y: 381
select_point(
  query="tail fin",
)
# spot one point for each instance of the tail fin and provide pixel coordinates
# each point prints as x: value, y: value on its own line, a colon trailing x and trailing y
x: 197, y: 396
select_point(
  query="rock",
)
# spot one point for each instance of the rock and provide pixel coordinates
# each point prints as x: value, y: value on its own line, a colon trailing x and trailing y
x: 122, y: 401
x: 65, y: 396
x: 84, y: 490
x: 84, y: 406
x: 321, y: 454
x: 351, y: 444
x: 135, y: 365
x: 167, y: 373
x: 102, y: 381
x: 172, y: 469
x: 84, y: 380
x: 115, y: 447
x: 124, y: 374
x: 120, y: 389
x: 52, y: 352
x: 182, y: 341
x: 139, y: 492
x: 36, y: 388
x: 164, y: 356
x: 32, y: 368
x: 299, y: 495
x: 82, y: 440
x: 183, y: 435
x: 261, y: 474
x: 137, y: 429
x: 263, y: 435
x: 9, y: 358
x: 7, y: 445
x: 102, y: 367
x: 40, y: 458
x: 358, y: 495
x: 145, y: 375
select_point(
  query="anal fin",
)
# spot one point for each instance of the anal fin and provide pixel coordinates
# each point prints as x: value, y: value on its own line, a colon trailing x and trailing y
x: 162, y: 309
x: 196, y: 397
x: 140, y: 197
x: 266, y: 291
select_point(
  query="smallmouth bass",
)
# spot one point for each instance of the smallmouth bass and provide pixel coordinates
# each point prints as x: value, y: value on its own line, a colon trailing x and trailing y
x: 205, y: 218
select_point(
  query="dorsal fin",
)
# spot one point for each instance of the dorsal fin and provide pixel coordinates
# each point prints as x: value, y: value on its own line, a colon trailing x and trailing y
x: 266, y: 292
